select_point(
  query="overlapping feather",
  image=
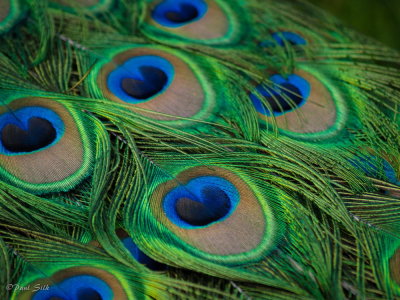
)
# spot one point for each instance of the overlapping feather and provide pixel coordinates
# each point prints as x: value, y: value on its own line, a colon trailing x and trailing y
x: 327, y: 223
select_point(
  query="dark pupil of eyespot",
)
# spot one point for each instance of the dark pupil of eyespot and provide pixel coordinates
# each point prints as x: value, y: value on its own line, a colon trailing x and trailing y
x: 88, y: 294
x: 186, y: 13
x: 214, y: 206
x: 154, y: 80
x: 289, y: 96
x: 40, y: 133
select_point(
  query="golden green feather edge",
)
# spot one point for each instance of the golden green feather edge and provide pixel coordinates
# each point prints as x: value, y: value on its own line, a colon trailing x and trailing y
x: 322, y: 247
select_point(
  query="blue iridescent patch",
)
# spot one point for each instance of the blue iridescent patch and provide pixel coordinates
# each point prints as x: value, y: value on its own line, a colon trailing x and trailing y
x: 142, y: 257
x: 376, y: 167
x: 202, y: 202
x: 284, y: 96
x: 288, y: 37
x: 141, y: 78
x: 29, y: 129
x: 177, y: 13
x: 283, y: 37
x: 81, y: 287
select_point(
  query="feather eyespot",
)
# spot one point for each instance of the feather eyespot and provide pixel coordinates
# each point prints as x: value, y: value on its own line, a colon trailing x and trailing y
x: 201, y: 202
x: 175, y: 13
x: 43, y: 145
x: 81, y: 287
x: 305, y: 105
x: 201, y: 21
x: 141, y: 78
x: 29, y: 129
x: 375, y: 167
x: 288, y: 37
x: 284, y: 37
x: 79, y: 283
x: 140, y: 256
x: 378, y: 168
x: 156, y: 82
x: 286, y: 95
x: 215, y: 203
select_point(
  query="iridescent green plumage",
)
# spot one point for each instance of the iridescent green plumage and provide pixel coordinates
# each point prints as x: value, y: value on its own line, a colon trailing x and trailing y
x: 212, y: 149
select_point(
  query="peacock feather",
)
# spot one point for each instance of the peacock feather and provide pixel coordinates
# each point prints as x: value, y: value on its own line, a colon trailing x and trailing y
x: 196, y: 149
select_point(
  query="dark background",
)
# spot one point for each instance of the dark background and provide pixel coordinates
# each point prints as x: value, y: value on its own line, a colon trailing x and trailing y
x: 377, y: 18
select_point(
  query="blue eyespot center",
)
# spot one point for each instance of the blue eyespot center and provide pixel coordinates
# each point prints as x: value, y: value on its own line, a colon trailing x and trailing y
x: 213, y: 206
x: 28, y: 130
x: 284, y: 96
x: 154, y: 80
x: 289, y: 37
x: 80, y: 287
x: 141, y: 257
x: 203, y: 201
x: 40, y: 133
x: 186, y: 13
x: 176, y: 13
x: 141, y: 78
x: 375, y: 167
